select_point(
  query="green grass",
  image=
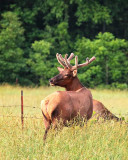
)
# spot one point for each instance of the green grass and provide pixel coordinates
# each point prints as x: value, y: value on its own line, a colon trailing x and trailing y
x: 96, y: 141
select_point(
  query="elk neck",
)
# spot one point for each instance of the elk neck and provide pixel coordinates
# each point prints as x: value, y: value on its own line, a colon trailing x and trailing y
x: 74, y: 85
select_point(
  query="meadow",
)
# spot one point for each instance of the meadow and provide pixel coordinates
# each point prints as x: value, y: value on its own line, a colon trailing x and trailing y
x: 102, y: 140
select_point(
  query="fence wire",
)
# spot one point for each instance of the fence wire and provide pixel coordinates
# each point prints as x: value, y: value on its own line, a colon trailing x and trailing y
x: 20, y: 117
x: 2, y: 106
x: 34, y: 117
x: 25, y: 106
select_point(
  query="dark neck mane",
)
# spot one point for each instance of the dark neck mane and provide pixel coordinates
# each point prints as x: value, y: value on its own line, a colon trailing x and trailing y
x: 74, y: 85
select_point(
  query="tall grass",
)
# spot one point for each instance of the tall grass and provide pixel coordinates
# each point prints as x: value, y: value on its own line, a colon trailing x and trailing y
x: 97, y: 140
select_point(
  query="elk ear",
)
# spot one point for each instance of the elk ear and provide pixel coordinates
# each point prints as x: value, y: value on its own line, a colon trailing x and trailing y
x: 60, y: 69
x: 75, y: 73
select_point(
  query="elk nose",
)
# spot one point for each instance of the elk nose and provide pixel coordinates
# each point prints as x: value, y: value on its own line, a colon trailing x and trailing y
x: 50, y: 80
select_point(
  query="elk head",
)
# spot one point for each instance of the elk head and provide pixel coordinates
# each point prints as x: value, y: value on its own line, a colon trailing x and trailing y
x: 68, y: 73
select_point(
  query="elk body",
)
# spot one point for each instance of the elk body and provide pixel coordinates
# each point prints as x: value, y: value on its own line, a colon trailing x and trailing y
x: 101, y: 111
x: 71, y: 83
x: 65, y: 105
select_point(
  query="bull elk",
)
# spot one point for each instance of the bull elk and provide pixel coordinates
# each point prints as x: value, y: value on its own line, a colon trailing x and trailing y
x: 67, y: 79
x: 65, y: 105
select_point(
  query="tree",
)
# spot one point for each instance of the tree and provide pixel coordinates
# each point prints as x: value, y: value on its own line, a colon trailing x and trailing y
x: 64, y: 25
x: 40, y: 62
x: 111, y: 61
x: 11, y: 43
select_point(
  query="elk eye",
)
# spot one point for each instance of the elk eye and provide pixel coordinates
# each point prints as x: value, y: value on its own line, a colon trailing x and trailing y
x: 67, y: 75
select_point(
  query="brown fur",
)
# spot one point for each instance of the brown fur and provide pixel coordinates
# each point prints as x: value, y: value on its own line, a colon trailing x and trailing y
x: 71, y: 83
x: 65, y: 105
x: 100, y: 111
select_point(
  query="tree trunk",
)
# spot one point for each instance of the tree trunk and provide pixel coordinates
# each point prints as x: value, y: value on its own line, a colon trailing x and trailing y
x: 106, y: 70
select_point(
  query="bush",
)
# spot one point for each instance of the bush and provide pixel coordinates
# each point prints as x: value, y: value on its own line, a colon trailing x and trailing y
x: 120, y: 86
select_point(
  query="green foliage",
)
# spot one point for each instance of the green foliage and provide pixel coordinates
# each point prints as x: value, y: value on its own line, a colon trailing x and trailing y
x: 94, y: 11
x: 55, y: 9
x: 92, y: 77
x: 111, y: 59
x: 120, y: 86
x: 39, y: 62
x: 53, y: 26
x: 11, y: 53
x: 62, y: 37
x: 42, y: 47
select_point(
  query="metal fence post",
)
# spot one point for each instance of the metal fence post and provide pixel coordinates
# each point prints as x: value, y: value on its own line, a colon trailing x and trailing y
x: 22, y: 109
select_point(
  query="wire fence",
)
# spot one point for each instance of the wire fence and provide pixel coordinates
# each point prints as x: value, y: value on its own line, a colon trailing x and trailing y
x: 22, y: 106
x: 23, y: 117
x: 2, y: 106
x: 25, y: 106
x: 35, y: 107
x: 20, y: 117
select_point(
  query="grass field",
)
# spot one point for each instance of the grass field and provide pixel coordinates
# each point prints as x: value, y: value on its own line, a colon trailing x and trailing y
x: 96, y: 141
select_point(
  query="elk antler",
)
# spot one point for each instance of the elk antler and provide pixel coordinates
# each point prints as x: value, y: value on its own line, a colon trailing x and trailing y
x: 71, y: 57
x: 66, y: 62
x: 87, y: 62
x: 76, y: 63
x: 61, y: 60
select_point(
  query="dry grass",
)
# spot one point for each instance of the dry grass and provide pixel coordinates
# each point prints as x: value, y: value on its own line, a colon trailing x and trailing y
x: 98, y: 140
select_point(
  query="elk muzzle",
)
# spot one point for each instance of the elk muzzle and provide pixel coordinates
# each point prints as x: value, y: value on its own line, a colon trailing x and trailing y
x: 51, y: 82
x: 55, y: 80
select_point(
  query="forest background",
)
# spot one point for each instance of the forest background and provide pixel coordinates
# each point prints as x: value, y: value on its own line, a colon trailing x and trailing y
x: 32, y: 32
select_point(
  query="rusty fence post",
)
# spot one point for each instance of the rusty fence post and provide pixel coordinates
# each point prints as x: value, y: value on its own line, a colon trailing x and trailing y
x: 22, y: 110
